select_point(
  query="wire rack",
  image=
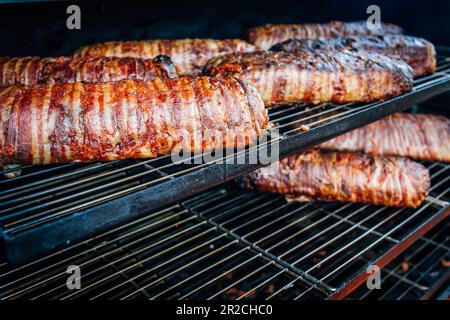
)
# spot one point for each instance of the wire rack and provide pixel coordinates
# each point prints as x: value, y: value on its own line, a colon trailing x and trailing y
x: 418, y: 273
x: 233, y: 244
x: 170, y: 252
x: 47, y: 207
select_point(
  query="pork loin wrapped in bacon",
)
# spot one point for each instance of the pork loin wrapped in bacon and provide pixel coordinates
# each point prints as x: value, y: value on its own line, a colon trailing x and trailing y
x: 344, y: 176
x: 417, y: 52
x: 418, y: 136
x: 31, y: 71
x: 316, y: 75
x: 189, y: 55
x: 266, y: 36
x: 127, y: 119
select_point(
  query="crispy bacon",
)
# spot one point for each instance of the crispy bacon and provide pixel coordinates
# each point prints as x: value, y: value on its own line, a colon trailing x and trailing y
x: 316, y: 75
x: 127, y: 119
x: 31, y: 71
x: 266, y: 36
x: 344, y: 176
x: 189, y: 55
x: 418, y: 136
x: 417, y: 52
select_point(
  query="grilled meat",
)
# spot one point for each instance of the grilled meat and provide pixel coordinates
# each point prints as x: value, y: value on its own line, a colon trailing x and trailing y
x: 189, y: 55
x: 316, y: 76
x: 34, y: 70
x: 417, y: 52
x: 266, y: 36
x: 344, y: 176
x: 127, y: 119
x: 418, y: 136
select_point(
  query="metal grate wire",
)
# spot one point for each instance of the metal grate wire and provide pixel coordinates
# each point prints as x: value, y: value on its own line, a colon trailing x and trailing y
x: 418, y: 272
x: 231, y: 244
x: 169, y: 254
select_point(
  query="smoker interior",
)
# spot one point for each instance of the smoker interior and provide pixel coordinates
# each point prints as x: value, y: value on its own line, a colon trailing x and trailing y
x: 151, y: 229
x: 221, y: 243
x: 46, y: 207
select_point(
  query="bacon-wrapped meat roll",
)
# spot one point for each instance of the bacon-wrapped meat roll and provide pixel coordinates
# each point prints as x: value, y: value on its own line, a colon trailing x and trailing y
x: 344, y: 176
x: 31, y: 71
x: 417, y: 52
x: 418, y: 136
x: 266, y: 36
x: 189, y: 55
x: 127, y: 119
x: 316, y: 75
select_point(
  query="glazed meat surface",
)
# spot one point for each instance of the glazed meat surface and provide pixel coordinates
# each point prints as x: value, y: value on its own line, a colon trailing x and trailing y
x: 316, y: 75
x: 31, y: 71
x: 417, y: 52
x: 344, y: 176
x: 127, y: 119
x: 189, y: 55
x: 418, y: 136
x: 266, y: 36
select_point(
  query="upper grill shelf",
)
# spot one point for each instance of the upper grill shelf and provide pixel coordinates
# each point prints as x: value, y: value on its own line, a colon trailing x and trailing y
x: 47, y: 207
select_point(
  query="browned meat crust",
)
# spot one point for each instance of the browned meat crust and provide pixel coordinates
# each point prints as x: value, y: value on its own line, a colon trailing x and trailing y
x: 189, y: 55
x: 418, y: 136
x: 316, y: 75
x: 266, y: 36
x: 417, y: 52
x: 346, y: 177
x: 127, y: 119
x: 34, y: 70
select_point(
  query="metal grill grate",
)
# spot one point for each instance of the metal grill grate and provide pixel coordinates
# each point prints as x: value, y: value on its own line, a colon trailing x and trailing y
x: 418, y: 273
x: 75, y: 199
x: 230, y: 243
x: 168, y: 254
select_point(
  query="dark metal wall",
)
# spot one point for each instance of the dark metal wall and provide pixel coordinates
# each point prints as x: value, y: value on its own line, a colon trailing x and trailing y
x: 40, y: 28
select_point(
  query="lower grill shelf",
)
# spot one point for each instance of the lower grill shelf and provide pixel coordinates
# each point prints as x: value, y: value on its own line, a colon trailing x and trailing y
x: 418, y: 273
x: 234, y: 244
